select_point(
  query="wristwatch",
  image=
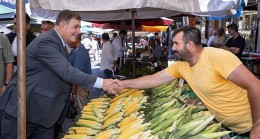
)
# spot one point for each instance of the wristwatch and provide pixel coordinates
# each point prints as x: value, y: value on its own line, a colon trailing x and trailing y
x: 5, y: 84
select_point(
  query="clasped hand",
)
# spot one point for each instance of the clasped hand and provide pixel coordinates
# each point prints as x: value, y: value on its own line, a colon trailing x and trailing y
x: 112, y: 86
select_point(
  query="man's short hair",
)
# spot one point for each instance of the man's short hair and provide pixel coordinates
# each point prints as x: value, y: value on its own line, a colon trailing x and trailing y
x: 67, y: 15
x: 233, y: 26
x: 123, y: 32
x: 105, y: 36
x: 189, y: 34
x: 156, y: 33
x: 114, y: 34
x: 27, y: 18
x: 48, y: 22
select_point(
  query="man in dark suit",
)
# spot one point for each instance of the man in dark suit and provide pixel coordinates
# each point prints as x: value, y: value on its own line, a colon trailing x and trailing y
x: 13, y: 39
x: 48, y: 78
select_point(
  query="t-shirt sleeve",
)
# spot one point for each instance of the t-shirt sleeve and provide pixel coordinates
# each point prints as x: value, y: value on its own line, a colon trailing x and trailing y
x: 174, y: 70
x: 225, y: 62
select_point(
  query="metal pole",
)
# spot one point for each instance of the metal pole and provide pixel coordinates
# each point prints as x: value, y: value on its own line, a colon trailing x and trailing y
x: 133, y: 39
x: 257, y: 47
x: 206, y: 28
x: 21, y: 79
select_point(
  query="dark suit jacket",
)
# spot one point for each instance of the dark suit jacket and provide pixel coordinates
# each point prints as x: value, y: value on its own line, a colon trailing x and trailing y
x: 48, y: 76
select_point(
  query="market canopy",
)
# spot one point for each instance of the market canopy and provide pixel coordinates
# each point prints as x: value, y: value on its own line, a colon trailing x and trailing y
x: 8, y: 8
x: 6, y: 12
x: 107, y: 10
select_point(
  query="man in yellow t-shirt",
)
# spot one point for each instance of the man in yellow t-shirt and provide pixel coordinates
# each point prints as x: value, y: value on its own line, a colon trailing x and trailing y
x: 221, y: 81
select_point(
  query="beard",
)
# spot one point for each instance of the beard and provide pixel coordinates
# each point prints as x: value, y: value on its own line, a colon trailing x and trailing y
x: 182, y: 55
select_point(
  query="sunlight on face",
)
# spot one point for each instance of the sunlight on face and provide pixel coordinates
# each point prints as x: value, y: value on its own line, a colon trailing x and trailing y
x: 71, y: 30
x: 180, y: 48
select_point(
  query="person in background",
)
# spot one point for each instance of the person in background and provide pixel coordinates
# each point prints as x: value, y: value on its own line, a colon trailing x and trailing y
x: 79, y: 58
x: 236, y: 44
x: 86, y: 42
x: 6, y: 65
x: 48, y: 78
x: 94, y: 47
x: 156, y: 48
x: 211, y: 38
x: 46, y: 26
x: 13, y: 38
x: 108, y: 57
x: 120, y: 48
x: 228, y: 89
x: 219, y: 40
x: 114, y: 35
x: 157, y: 38
x: 6, y: 62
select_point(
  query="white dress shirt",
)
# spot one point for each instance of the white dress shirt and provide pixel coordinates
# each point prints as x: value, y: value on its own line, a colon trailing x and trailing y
x: 119, y: 47
x: 108, y: 56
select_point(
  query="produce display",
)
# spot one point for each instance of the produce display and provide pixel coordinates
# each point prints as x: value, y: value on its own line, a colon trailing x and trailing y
x: 136, y: 114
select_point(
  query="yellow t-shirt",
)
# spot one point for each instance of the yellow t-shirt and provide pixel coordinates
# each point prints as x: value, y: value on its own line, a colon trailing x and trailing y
x: 208, y: 79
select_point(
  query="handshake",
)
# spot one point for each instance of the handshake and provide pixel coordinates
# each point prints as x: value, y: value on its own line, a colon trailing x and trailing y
x: 113, y: 86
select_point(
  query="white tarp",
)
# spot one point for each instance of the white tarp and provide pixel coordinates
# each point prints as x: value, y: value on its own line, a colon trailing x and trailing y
x: 104, y: 10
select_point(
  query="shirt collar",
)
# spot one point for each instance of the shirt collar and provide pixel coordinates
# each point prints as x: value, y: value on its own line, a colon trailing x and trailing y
x: 75, y: 49
x: 63, y: 43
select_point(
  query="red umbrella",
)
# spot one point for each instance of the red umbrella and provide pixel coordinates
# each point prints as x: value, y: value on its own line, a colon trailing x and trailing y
x: 117, y: 25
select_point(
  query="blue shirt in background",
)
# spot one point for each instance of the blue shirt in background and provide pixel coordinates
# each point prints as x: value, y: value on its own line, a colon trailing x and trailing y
x: 79, y: 58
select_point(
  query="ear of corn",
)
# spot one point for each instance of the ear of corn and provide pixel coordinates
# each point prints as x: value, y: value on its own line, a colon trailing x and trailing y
x: 202, y: 126
x: 130, y: 125
x: 99, y: 103
x: 211, y: 135
x: 83, y: 131
x: 211, y: 129
x: 137, y: 93
x: 132, y: 132
x: 88, y: 113
x: 97, y: 112
x: 107, y: 134
x: 89, y: 124
x: 123, y: 95
x: 123, y: 91
x: 87, y: 109
x: 163, y: 108
x: 112, y: 120
x: 101, y: 99
x: 113, y: 112
x: 131, y: 110
x: 128, y: 119
x: 90, y: 117
x: 76, y: 136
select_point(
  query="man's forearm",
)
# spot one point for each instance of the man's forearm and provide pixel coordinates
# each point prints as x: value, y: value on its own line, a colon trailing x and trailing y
x: 148, y: 81
x: 9, y: 72
x: 254, y: 99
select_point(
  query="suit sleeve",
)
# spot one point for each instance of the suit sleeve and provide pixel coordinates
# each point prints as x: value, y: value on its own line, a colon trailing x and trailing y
x: 49, y: 53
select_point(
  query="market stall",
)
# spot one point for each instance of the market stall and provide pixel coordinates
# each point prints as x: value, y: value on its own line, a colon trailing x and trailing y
x: 130, y: 115
x: 118, y: 10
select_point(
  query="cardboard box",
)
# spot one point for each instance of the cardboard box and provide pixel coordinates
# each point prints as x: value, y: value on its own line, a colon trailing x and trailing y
x: 257, y: 68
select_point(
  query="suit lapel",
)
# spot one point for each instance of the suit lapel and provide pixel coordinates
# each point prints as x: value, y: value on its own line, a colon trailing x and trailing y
x: 63, y: 49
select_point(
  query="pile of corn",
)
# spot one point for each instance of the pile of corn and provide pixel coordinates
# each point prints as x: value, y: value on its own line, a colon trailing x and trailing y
x: 135, y: 115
